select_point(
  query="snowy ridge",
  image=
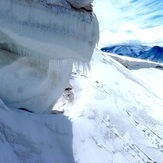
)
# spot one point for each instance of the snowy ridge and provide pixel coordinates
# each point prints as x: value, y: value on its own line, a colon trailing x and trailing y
x: 110, y: 118
x: 134, y: 63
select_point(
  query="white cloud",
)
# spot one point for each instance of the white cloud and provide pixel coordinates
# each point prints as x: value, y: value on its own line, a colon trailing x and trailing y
x: 131, y: 34
x: 130, y: 21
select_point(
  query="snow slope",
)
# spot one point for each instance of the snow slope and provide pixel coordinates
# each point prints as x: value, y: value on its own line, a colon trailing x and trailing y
x: 110, y: 116
x: 120, y: 116
x: 135, y: 63
x: 153, y: 77
x: 26, y: 137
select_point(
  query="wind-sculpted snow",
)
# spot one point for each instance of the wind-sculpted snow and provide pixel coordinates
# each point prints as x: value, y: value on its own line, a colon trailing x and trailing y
x: 25, y: 83
x: 26, y: 137
x: 39, y: 42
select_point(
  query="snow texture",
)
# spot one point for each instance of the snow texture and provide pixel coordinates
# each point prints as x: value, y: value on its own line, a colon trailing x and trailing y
x: 23, y: 84
x: 39, y: 42
x: 111, y: 118
x: 54, y: 31
x: 117, y: 118
x: 26, y: 137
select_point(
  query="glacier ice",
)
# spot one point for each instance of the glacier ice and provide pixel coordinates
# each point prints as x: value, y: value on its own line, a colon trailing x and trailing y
x: 39, y: 42
x: 35, y: 28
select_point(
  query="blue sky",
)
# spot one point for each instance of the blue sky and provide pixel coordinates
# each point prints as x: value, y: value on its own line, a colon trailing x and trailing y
x: 131, y: 16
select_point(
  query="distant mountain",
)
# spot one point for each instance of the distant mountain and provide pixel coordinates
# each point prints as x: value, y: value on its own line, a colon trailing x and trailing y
x: 154, y: 54
x: 127, y: 50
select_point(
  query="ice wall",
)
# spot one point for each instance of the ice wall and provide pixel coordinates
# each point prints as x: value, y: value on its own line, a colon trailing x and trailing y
x: 55, y: 30
x: 39, y: 42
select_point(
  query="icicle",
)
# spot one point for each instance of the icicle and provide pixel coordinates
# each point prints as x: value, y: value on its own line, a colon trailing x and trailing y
x: 53, y: 31
x: 82, y: 67
x: 39, y: 42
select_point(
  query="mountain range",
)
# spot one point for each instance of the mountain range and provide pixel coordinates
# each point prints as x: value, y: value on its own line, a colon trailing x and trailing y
x: 154, y: 53
x: 110, y: 111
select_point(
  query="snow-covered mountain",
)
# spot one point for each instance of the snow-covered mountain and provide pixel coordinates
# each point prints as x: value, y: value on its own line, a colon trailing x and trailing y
x: 110, y: 115
x: 154, y: 54
x: 126, y: 50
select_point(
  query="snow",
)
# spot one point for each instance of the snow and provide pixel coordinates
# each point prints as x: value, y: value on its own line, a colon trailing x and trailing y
x: 33, y: 87
x: 111, y: 115
x: 135, y: 63
x: 107, y: 118
x: 39, y: 42
x: 152, y: 77
x: 116, y: 117
x: 26, y: 137
x: 40, y: 29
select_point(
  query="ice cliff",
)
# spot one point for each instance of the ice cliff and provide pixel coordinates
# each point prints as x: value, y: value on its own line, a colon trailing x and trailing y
x: 39, y: 42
